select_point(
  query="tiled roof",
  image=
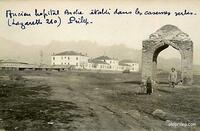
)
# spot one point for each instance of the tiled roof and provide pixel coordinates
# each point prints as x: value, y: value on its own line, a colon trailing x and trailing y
x: 123, y: 64
x: 127, y: 61
x: 103, y: 58
x: 98, y: 62
x: 70, y: 53
x: 12, y: 61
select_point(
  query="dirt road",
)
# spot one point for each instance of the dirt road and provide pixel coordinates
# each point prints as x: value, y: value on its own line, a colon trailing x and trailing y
x: 115, y: 104
x: 86, y: 101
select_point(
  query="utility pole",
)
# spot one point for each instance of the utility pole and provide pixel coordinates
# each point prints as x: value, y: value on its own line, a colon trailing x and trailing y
x: 104, y: 53
x: 41, y: 57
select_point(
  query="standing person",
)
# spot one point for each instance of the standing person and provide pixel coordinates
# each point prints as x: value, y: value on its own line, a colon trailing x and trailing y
x: 149, y: 85
x: 172, y: 77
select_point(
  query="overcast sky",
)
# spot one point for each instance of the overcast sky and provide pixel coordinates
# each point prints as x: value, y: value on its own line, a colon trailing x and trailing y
x: 105, y: 30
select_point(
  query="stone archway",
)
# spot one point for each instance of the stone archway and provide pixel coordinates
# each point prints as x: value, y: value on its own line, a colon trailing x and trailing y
x: 166, y: 36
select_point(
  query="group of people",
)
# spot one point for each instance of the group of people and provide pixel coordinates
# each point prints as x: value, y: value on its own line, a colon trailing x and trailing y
x: 172, y: 81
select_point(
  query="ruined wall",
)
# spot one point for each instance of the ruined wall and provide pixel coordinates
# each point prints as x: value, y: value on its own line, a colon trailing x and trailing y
x: 152, y: 48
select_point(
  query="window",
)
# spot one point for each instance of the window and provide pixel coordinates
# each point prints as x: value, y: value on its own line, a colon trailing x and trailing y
x: 76, y: 64
x: 61, y: 63
x: 76, y: 58
x: 53, y: 63
x: 68, y: 58
x: 53, y: 58
x: 68, y: 63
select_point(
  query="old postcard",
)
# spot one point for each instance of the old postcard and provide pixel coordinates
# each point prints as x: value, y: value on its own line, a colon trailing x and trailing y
x: 99, y: 65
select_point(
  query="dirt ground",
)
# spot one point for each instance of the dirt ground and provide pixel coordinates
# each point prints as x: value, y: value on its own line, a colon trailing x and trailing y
x: 89, y: 101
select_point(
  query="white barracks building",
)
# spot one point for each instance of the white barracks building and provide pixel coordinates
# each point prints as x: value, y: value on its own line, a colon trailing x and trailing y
x: 69, y: 58
x: 75, y: 60
x: 103, y: 63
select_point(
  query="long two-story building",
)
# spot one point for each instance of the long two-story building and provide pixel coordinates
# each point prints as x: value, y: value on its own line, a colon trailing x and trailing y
x: 129, y: 65
x: 81, y: 61
x: 70, y: 58
x: 103, y: 63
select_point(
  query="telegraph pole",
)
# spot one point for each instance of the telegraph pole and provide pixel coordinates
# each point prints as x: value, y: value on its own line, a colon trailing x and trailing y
x: 41, y: 57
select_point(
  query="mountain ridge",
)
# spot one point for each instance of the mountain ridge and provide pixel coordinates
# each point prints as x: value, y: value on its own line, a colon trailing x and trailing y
x: 39, y: 53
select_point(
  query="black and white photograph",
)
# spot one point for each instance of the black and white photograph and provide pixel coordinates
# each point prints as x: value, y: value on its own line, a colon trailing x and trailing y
x: 98, y: 65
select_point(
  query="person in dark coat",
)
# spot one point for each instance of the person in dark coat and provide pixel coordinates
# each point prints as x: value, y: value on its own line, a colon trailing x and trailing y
x: 149, y: 86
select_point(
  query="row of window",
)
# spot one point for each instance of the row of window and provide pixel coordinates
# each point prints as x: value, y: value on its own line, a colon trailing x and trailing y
x: 65, y: 58
x: 65, y: 64
x: 114, y: 62
x: 101, y: 66
x: 109, y: 67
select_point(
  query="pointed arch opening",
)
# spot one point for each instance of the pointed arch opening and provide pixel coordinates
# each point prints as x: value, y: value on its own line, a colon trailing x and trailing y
x: 167, y: 36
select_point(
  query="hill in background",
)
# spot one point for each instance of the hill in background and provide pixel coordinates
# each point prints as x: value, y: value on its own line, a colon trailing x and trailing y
x: 32, y: 54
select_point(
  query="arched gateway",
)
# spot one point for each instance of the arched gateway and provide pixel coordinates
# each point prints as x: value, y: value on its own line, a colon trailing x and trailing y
x: 166, y: 36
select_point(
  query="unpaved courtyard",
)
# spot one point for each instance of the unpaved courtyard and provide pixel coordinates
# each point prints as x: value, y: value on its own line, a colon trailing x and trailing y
x: 104, y: 101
